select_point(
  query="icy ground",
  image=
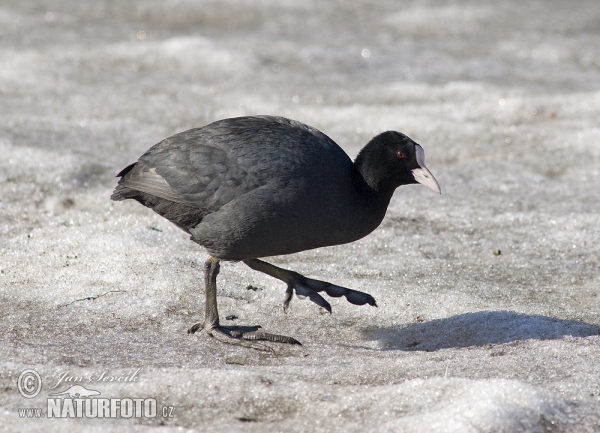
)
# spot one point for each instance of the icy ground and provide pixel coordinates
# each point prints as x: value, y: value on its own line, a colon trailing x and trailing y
x: 489, y: 314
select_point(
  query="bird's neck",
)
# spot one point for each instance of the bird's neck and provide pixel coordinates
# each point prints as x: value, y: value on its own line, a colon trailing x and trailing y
x: 369, y: 178
x: 370, y: 189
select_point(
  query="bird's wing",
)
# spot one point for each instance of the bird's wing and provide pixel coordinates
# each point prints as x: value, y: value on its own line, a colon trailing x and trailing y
x: 209, y: 167
x: 196, y: 169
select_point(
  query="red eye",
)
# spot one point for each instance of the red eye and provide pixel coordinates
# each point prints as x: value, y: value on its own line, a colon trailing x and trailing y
x: 401, y: 155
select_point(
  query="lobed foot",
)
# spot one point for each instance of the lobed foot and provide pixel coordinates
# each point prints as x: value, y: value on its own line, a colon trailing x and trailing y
x: 308, y: 288
x: 246, y: 336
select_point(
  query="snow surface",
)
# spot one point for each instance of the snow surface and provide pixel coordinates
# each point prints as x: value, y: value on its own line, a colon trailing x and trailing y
x: 489, y: 314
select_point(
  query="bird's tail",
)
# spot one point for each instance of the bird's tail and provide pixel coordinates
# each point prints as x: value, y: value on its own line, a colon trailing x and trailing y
x: 121, y: 192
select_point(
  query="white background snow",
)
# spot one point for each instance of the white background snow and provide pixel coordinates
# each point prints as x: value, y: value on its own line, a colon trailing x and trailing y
x: 489, y: 314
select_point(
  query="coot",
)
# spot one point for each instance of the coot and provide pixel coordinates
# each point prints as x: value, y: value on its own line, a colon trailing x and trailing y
x: 258, y: 186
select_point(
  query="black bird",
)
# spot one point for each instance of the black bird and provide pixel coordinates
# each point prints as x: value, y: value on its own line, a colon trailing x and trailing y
x: 251, y: 187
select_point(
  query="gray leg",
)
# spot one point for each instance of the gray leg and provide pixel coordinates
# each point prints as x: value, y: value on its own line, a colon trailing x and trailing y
x: 247, y: 336
x: 308, y: 287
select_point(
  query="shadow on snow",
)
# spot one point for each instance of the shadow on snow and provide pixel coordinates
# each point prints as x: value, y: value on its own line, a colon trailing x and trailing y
x: 478, y: 329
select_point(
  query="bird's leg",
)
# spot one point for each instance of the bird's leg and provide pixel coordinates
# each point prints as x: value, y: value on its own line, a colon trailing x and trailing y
x: 304, y: 286
x: 247, y: 336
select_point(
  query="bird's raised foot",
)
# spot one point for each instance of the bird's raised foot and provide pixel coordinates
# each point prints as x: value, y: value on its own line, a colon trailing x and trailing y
x: 246, y: 336
x: 307, y: 287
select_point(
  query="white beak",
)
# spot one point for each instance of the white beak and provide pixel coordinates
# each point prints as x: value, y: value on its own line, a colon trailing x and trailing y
x: 422, y: 174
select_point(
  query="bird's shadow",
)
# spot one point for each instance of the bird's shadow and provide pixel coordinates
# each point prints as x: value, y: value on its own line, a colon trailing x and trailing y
x: 477, y: 329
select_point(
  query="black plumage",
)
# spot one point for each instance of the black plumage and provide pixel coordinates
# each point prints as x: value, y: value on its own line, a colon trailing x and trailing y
x: 252, y: 187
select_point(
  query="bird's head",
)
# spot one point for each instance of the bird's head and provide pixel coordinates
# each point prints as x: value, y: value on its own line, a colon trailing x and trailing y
x: 392, y: 159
